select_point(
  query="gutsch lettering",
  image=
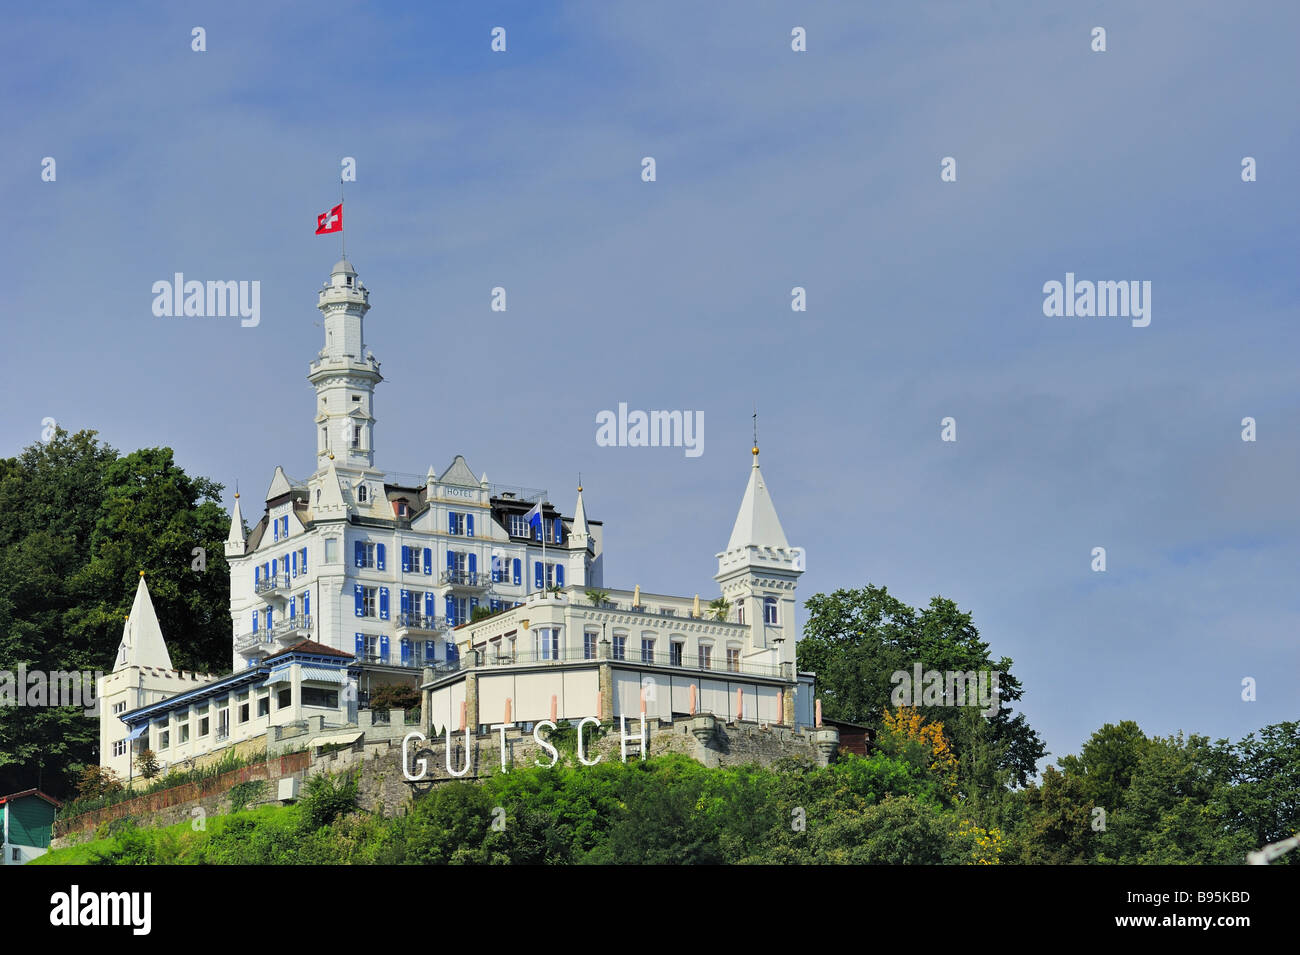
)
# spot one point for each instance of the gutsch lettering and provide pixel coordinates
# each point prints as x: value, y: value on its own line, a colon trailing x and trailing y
x: 420, y: 764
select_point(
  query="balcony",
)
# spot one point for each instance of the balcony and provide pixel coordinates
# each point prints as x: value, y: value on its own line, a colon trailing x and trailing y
x: 466, y: 579
x: 419, y: 623
x: 250, y: 643
x: 293, y: 629
x: 270, y: 586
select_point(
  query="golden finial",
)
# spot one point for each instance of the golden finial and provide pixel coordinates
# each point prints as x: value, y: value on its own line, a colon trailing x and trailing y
x: 142, y: 573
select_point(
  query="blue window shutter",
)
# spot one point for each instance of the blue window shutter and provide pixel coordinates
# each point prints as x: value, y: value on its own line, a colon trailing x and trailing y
x: 537, y: 574
x: 428, y: 651
x: 359, y: 550
x: 453, y: 652
x: 379, y: 556
x: 406, y: 601
x: 473, y: 563
x: 304, y: 560
x: 293, y: 606
x: 473, y: 605
x: 306, y: 603
x: 406, y: 559
x: 559, y: 574
x: 275, y: 529
x: 451, y: 522
x: 451, y: 612
x: 428, y: 560
x: 383, y: 603
x: 361, y: 600
x: 559, y: 530
x: 255, y: 621
x: 469, y: 525
x: 257, y: 575
x: 269, y: 621
x: 406, y: 652
x: 275, y: 567
x: 361, y: 644
x: 429, y: 604
x: 293, y: 562
x: 451, y: 560
x: 519, y: 577
x: 383, y: 647
x: 266, y: 569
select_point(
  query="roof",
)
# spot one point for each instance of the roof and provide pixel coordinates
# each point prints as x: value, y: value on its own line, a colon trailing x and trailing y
x: 142, y: 640
x: 31, y: 792
x: 757, y: 524
x: 343, y: 266
x: 310, y: 646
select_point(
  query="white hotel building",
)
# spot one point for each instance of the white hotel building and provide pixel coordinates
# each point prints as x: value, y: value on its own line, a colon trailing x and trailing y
x: 375, y: 578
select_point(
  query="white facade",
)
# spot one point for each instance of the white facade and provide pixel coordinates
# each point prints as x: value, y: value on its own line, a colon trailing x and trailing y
x: 381, y: 565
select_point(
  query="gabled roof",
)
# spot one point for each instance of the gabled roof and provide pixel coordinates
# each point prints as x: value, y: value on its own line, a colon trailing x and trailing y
x: 459, y: 474
x: 142, y: 640
x: 236, y: 535
x: 310, y: 646
x: 331, y: 495
x: 279, y: 484
x: 30, y: 792
x: 757, y: 524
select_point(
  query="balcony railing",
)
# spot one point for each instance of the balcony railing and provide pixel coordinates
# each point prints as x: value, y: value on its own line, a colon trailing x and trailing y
x: 415, y: 661
x: 471, y: 579
x: 292, y: 627
x: 632, y: 657
x: 250, y: 641
x: 420, y: 621
x: 271, y: 584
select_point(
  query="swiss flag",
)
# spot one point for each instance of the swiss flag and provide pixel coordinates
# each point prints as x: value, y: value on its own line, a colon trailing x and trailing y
x: 331, y: 221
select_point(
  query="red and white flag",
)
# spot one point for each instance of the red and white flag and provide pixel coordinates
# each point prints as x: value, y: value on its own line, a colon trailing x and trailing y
x: 331, y: 221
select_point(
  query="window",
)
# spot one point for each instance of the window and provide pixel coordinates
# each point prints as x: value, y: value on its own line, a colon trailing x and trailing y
x: 119, y: 707
x: 769, y: 610
x: 119, y: 748
x: 264, y: 705
x: 589, y: 645
x: 223, y: 722
x: 17, y: 855
x: 455, y: 523
x: 371, y: 647
x: 620, y: 646
x: 706, y: 657
x: 459, y: 561
x: 361, y: 490
x: 312, y: 696
x: 164, y: 739
x: 675, y: 651
x: 414, y: 553
x: 184, y: 733
x: 203, y: 726
x: 518, y: 526
x: 331, y: 550
x: 647, y: 650
x: 733, y: 659
x: 243, y: 712
x: 368, y: 554
x: 285, y: 697
x: 740, y: 611
x: 368, y: 601
x: 401, y: 509
x: 356, y: 444
x: 324, y: 443
x: 546, y: 643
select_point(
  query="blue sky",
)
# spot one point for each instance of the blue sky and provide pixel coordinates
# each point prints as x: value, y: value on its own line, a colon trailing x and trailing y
x: 775, y: 169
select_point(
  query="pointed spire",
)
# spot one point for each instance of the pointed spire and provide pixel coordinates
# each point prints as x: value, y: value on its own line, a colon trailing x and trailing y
x: 142, y: 639
x: 757, y: 524
x: 579, y: 526
x: 236, y: 542
x: 331, y: 494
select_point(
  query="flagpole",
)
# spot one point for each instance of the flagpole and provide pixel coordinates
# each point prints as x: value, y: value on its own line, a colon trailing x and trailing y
x: 343, y: 237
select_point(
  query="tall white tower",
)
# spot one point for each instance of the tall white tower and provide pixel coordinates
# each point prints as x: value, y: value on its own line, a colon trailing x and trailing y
x: 759, y: 570
x: 344, y: 375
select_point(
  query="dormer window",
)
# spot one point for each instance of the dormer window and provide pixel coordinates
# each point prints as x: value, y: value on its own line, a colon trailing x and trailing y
x: 402, y: 510
x: 361, y: 493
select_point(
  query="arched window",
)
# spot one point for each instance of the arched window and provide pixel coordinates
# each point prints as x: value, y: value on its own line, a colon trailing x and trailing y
x: 769, y: 610
x: 361, y: 493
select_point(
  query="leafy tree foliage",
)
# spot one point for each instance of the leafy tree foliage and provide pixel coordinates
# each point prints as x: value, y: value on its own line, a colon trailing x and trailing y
x: 78, y: 523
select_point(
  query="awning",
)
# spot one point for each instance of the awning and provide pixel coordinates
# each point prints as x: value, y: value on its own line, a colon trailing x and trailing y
x: 337, y: 739
x: 325, y: 675
x: 138, y: 731
x: 279, y: 676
